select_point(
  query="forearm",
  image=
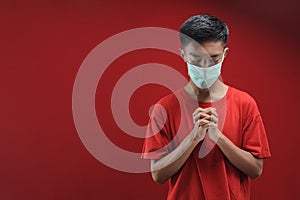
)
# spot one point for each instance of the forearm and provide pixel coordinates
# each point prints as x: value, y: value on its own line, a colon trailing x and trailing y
x: 167, y: 166
x: 240, y: 158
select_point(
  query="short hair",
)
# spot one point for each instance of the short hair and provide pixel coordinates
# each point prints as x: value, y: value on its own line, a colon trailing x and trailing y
x: 203, y: 28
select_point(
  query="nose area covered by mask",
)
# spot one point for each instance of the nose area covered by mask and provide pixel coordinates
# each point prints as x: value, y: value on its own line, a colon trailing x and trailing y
x: 204, y: 63
x: 204, y: 77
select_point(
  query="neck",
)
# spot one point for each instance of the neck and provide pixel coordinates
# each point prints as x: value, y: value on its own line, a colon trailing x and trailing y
x: 217, y: 91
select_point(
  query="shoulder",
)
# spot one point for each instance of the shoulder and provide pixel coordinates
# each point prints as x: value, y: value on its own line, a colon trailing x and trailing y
x: 244, y: 100
x: 170, y: 100
x: 241, y: 96
x: 167, y: 104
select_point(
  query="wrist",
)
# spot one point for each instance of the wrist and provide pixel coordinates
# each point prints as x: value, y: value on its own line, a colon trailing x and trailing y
x: 194, y: 136
x: 221, y: 138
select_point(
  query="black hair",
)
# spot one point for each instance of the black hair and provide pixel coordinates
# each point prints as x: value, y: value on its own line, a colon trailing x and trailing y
x: 203, y: 28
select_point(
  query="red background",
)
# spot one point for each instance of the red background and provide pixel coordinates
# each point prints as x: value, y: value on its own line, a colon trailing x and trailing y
x: 42, y: 47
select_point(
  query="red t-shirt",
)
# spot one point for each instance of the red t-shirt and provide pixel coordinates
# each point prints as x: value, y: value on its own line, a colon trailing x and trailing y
x: 207, y: 174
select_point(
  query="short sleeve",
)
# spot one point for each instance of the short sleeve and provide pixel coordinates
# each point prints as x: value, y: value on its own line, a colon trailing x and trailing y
x: 157, y: 137
x: 255, y: 138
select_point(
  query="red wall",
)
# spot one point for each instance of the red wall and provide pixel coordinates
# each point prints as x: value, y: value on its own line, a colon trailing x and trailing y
x: 42, y: 47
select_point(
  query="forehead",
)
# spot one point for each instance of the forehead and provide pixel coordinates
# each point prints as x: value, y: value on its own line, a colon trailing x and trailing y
x: 210, y: 48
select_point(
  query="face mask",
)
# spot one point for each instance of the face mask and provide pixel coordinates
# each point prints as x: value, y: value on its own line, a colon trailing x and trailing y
x: 204, y: 77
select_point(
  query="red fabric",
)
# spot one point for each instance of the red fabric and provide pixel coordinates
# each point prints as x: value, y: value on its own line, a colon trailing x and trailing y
x: 213, y: 176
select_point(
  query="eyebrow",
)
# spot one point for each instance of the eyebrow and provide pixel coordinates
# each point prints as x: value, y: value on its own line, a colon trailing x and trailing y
x: 213, y: 56
x: 195, y: 55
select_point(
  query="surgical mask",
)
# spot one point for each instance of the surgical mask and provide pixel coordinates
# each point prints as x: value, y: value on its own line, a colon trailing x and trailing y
x: 204, y: 77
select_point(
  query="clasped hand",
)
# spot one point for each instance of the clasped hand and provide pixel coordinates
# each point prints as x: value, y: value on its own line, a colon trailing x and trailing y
x: 206, y: 122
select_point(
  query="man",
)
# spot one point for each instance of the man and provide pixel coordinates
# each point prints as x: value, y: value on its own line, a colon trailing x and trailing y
x: 206, y: 139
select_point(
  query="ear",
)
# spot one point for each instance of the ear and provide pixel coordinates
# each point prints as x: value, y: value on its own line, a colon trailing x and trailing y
x: 226, y: 51
x: 182, y: 55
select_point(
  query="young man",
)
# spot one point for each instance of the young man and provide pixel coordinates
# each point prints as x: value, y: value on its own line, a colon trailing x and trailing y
x: 206, y: 139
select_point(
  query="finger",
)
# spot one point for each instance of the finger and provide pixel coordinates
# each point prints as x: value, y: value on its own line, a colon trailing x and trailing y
x: 202, y: 122
x: 198, y: 113
x: 207, y: 125
x: 211, y: 118
x: 197, y: 110
x: 214, y: 119
x: 201, y: 116
x: 207, y: 113
x: 210, y: 125
x: 210, y: 110
x: 214, y: 112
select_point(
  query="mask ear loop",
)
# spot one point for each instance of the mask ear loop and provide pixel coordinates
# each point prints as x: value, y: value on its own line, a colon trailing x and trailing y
x: 225, y: 51
x: 223, y: 55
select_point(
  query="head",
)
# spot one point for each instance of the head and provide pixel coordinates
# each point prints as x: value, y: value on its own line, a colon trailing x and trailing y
x: 203, y: 39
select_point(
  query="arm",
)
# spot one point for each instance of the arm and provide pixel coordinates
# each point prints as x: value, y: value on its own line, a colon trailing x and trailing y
x: 165, y: 167
x: 241, y: 159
